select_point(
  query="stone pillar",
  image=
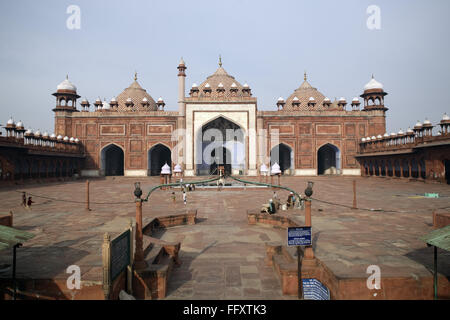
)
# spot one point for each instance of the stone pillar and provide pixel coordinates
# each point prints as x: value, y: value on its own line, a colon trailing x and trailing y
x: 309, y: 253
x: 139, y: 262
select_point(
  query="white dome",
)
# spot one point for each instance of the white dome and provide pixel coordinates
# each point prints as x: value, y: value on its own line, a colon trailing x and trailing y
x: 194, y: 85
x: 363, y: 139
x: 129, y: 100
x: 37, y: 134
x: 10, y: 121
x: 160, y: 99
x: 263, y: 168
x: 59, y: 137
x: 327, y: 99
x: 280, y: 99
x: 445, y: 117
x: 275, y: 168
x: 98, y: 100
x: 220, y: 85
x: 66, y: 85
x: 45, y: 134
x: 245, y: 85
x: 393, y: 134
x: 379, y: 136
x: 145, y: 99
x: 368, y: 139
x: 386, y: 135
x: 53, y: 136
x: 400, y: 132
x: 207, y: 85
x: 233, y: 85
x: 113, y: 99
x: 373, y: 84
x: 409, y: 130
x: 295, y: 98
x: 312, y: 99
x: 427, y: 121
x: 373, y: 138
x: 19, y: 124
x: 66, y: 138
x: 77, y: 140
x: 28, y: 132
x: 418, y: 124
x: 355, y: 99
x: 342, y: 99
x: 105, y: 105
x: 165, y: 169
x: 177, y: 168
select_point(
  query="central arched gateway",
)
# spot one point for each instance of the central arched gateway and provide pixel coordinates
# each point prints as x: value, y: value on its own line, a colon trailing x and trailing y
x: 328, y: 160
x: 282, y: 154
x: 112, y: 161
x: 158, y: 156
x: 221, y: 143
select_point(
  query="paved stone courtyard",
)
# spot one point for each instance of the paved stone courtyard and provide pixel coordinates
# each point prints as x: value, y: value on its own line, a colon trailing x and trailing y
x: 222, y: 256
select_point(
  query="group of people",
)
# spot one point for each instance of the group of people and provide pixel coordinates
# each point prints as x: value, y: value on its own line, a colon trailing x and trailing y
x: 274, y: 204
x: 184, y: 188
x: 26, y: 203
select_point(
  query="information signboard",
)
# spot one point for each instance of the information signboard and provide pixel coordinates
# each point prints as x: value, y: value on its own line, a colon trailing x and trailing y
x: 120, y: 254
x: 299, y: 236
x: 313, y: 289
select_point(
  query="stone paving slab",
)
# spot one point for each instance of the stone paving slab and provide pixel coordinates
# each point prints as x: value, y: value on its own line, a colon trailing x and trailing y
x: 222, y: 256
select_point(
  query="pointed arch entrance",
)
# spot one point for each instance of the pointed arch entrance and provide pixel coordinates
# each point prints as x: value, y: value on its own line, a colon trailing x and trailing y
x: 283, y: 155
x: 220, y: 142
x: 112, y: 160
x: 158, y: 155
x: 328, y: 160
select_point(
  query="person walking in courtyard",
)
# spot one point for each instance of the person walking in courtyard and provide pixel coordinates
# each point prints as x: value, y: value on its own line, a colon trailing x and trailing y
x: 24, y: 199
x: 29, y: 202
x: 184, y: 197
x: 174, y: 198
x: 272, y: 208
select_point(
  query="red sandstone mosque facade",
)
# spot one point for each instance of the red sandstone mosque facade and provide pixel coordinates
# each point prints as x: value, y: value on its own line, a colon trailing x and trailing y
x: 307, y: 134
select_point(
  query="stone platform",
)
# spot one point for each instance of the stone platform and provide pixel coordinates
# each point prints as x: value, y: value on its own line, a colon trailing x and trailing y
x: 222, y: 256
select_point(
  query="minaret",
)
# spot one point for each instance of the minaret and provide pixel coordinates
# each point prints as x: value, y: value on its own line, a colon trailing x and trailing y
x: 181, y: 87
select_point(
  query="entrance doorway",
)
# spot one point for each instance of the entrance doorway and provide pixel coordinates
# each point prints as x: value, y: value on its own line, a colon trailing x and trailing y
x: 328, y: 160
x: 220, y: 160
x: 112, y: 160
x: 158, y: 156
x: 281, y: 154
x: 447, y: 170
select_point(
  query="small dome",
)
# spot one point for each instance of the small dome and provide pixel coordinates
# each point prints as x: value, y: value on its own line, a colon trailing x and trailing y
x: 427, y: 121
x: 386, y: 135
x: 445, y: 117
x: 66, y: 85
x: 342, y: 100
x: 295, y: 99
x: 207, y: 85
x: 355, y: 99
x: 182, y: 61
x: 45, y: 134
x: 66, y: 138
x: 77, y: 140
x: 400, y: 132
x: 363, y: 139
x: 418, y: 124
x: 59, y: 137
x: 311, y: 99
x: 177, y: 168
x: 105, y: 105
x: 246, y: 85
x: 373, y: 138
x: 326, y: 99
x: 367, y: 138
x: 37, y: 133
x: 160, y: 99
x: 165, y: 169
x: 280, y: 99
x: 53, y: 136
x: 373, y: 84
x: 113, y: 99
x: 145, y: 99
x: 29, y: 132
x: 263, y: 168
x: 220, y: 85
x: 19, y: 124
x: 194, y: 85
x: 98, y: 100
x: 233, y: 85
x: 10, y: 121
x: 393, y: 134
x: 379, y: 136
x: 275, y: 168
x: 72, y: 139
x: 85, y: 101
x: 129, y: 100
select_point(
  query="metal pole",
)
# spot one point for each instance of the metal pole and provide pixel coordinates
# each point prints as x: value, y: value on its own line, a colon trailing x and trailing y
x: 87, y: 196
x: 435, y: 274
x: 299, y: 273
x: 354, y: 194
x: 17, y: 245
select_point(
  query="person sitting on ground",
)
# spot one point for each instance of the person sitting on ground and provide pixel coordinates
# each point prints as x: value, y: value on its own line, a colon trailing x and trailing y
x: 272, y: 208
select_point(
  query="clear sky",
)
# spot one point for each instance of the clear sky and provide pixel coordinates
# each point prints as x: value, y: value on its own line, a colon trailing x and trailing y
x: 267, y: 44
